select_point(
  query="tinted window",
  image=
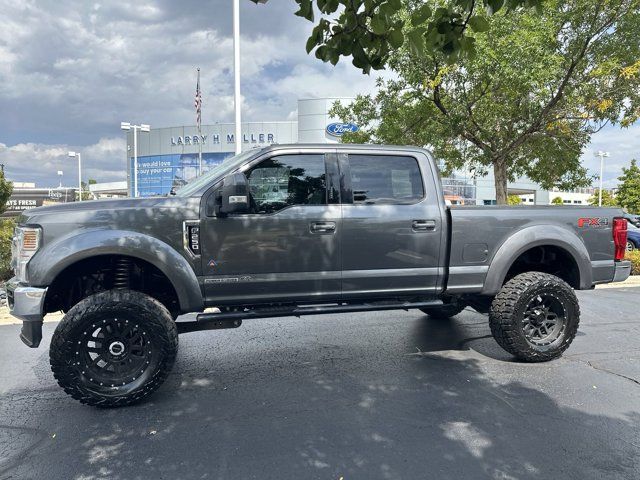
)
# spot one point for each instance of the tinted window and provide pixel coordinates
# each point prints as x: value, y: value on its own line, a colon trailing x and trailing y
x: 385, y: 179
x: 287, y: 180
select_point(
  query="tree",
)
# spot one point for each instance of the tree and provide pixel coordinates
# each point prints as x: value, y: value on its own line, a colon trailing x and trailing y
x: 557, y: 201
x: 86, y: 193
x: 608, y: 199
x: 371, y: 31
x: 514, y: 200
x: 6, y: 228
x: 525, y: 104
x: 628, y: 194
x: 6, y: 189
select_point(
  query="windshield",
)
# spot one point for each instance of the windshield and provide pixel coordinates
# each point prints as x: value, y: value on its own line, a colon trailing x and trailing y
x: 226, y: 166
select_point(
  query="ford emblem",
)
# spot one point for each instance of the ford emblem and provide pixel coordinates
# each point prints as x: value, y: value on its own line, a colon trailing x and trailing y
x: 339, y: 129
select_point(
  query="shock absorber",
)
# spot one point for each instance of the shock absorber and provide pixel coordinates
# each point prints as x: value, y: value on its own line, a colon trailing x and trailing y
x: 121, y: 276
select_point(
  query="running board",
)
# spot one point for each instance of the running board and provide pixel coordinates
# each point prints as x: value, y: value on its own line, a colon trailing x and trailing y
x: 215, y: 321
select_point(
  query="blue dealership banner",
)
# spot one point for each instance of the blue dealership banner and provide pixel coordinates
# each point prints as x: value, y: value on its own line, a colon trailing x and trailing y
x: 158, y: 174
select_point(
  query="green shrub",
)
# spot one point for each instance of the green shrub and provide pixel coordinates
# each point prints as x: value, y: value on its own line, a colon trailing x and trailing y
x: 635, y: 261
x: 6, y: 233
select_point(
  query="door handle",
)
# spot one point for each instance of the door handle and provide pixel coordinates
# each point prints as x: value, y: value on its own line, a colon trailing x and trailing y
x: 322, y: 227
x: 423, y: 225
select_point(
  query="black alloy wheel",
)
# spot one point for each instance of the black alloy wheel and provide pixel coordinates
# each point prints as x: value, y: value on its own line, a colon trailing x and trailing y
x: 535, y: 316
x: 114, y: 348
x: 544, y: 319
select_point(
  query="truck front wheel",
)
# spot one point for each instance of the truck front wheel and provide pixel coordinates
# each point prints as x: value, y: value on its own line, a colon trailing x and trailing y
x: 535, y: 316
x: 114, y: 348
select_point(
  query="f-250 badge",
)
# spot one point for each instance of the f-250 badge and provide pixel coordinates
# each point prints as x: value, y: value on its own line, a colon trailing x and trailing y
x: 593, y: 222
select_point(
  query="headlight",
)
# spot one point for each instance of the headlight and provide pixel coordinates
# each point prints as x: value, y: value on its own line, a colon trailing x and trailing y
x: 26, y: 242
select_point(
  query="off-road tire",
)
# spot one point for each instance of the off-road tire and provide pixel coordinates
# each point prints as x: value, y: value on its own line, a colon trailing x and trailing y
x: 153, y: 338
x: 507, y: 315
x: 445, y: 311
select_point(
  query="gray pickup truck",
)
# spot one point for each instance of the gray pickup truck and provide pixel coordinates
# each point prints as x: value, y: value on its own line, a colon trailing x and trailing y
x: 296, y: 230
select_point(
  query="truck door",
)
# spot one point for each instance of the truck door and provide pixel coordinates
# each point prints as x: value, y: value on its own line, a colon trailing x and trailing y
x: 287, y: 248
x: 391, y: 225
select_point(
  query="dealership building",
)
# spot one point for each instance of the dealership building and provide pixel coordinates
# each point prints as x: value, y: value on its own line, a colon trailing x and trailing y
x: 170, y: 157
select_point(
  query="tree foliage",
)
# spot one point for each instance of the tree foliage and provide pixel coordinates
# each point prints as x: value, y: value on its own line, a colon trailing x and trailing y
x: 6, y: 189
x: 514, y: 200
x: 7, y: 226
x: 557, y: 201
x: 628, y: 194
x: 608, y: 199
x: 526, y: 104
x: 370, y: 32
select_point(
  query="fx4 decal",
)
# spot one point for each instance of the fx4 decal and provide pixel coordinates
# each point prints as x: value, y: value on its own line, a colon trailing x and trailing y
x: 593, y: 222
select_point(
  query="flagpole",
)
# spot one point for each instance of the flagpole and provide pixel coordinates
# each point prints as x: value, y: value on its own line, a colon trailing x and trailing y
x: 199, y: 129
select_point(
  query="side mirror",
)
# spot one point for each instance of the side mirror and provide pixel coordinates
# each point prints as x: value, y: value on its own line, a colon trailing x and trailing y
x: 233, y: 196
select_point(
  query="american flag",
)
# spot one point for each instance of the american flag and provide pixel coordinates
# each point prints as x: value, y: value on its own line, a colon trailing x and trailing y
x: 198, y: 102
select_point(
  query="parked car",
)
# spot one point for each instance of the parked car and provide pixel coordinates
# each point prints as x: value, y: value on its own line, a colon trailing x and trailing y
x: 290, y: 231
x: 633, y: 219
x: 633, y: 238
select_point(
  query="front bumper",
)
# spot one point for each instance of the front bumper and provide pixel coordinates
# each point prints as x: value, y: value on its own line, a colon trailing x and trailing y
x: 27, y: 304
x: 622, y: 271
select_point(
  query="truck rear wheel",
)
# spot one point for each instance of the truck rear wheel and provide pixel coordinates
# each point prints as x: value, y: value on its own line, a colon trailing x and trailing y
x: 114, y: 348
x: 535, y: 316
x: 445, y: 311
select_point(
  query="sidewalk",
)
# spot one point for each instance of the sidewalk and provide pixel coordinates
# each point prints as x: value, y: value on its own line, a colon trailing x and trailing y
x: 633, y: 281
x: 7, y: 319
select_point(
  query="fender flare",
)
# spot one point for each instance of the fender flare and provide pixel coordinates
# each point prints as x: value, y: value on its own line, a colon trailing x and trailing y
x: 534, y: 236
x: 49, y: 262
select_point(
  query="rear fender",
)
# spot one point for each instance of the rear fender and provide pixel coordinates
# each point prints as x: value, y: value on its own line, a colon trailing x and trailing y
x: 535, y: 236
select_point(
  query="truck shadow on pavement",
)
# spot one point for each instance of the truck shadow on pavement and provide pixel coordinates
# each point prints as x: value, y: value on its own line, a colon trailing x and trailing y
x: 328, y: 408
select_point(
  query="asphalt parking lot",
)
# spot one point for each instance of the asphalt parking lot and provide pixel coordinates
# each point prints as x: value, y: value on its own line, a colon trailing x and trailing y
x: 389, y: 395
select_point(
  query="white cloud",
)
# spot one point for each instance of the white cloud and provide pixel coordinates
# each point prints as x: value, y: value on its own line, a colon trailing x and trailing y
x: 31, y: 162
x: 71, y: 71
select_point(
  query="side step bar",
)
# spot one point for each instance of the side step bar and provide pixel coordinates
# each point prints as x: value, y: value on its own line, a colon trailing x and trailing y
x: 215, y: 321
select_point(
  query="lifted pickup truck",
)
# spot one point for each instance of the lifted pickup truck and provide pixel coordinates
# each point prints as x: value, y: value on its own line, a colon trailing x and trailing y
x: 290, y: 231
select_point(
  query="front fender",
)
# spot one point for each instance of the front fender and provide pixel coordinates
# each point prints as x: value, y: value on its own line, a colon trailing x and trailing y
x: 534, y: 236
x: 49, y: 262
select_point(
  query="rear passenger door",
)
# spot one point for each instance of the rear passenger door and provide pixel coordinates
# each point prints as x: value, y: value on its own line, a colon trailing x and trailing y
x: 391, y: 226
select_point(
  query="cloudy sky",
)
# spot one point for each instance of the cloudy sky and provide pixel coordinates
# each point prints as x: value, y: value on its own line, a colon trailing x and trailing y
x: 71, y: 71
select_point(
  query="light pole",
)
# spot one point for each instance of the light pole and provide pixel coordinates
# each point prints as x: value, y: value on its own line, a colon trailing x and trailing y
x: 60, y: 177
x: 602, y: 155
x: 77, y: 154
x: 126, y: 126
x: 236, y: 71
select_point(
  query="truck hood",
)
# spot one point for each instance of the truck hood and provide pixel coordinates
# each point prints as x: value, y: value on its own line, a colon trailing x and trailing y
x: 105, y: 205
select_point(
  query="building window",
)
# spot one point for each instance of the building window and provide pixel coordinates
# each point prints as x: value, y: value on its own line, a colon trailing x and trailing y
x: 287, y: 180
x: 384, y: 179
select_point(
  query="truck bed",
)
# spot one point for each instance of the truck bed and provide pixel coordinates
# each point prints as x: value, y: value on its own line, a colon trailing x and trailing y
x: 483, y: 238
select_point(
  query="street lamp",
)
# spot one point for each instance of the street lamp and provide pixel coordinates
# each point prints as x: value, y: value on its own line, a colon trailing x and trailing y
x: 126, y: 126
x: 77, y: 154
x: 60, y: 177
x: 236, y: 70
x: 602, y: 155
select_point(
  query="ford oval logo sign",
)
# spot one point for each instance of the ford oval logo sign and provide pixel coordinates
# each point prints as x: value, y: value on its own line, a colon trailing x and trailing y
x: 339, y: 129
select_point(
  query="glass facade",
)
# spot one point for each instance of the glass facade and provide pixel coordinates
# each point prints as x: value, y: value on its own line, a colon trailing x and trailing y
x: 158, y: 174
